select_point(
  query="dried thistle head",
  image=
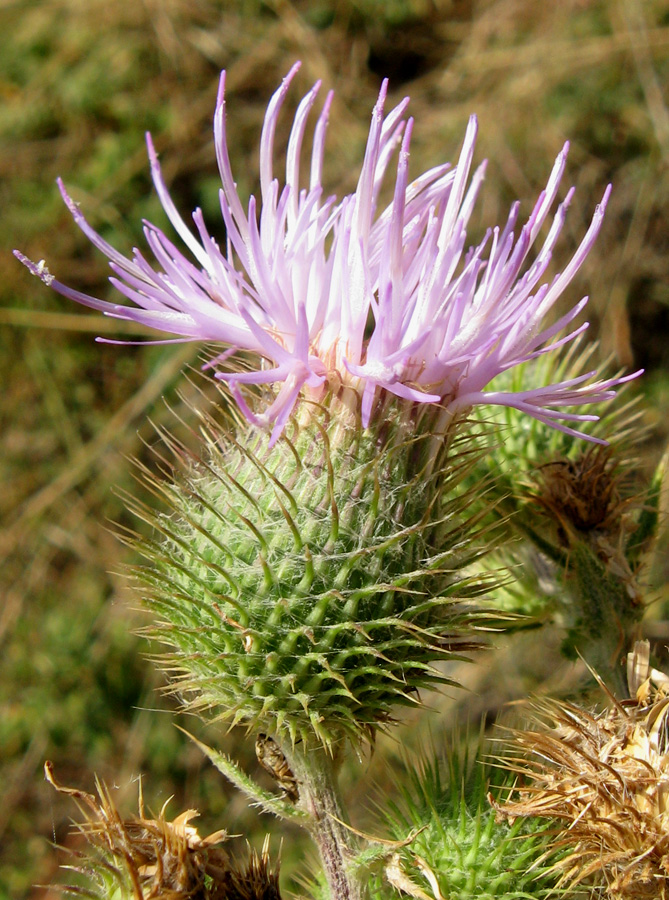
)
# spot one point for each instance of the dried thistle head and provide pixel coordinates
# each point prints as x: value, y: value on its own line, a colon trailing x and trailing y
x: 591, y: 519
x: 583, y: 494
x: 140, y: 858
x: 606, y: 777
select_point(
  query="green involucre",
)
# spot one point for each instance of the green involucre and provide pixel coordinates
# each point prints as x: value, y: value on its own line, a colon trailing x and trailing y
x: 470, y: 854
x: 310, y: 588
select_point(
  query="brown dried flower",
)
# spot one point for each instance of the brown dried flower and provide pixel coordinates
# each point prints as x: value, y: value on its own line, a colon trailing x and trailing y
x: 606, y: 775
x: 159, y: 858
x: 583, y: 493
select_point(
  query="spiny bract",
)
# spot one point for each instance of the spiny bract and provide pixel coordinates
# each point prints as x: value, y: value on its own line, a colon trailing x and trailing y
x: 311, y: 587
x: 452, y: 847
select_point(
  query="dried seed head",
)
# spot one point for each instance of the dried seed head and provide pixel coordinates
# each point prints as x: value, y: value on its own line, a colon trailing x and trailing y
x: 255, y: 881
x: 147, y: 858
x: 606, y: 776
x: 582, y: 500
x: 582, y: 493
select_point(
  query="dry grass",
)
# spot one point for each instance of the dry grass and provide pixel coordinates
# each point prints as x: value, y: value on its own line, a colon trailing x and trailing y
x: 80, y: 83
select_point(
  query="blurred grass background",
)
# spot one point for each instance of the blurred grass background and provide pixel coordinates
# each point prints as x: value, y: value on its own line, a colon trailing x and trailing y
x: 80, y: 83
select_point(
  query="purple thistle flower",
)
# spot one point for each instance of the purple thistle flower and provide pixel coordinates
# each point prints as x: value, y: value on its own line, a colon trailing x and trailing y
x: 302, y: 278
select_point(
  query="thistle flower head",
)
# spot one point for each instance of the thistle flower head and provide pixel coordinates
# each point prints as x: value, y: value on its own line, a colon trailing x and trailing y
x: 325, y: 290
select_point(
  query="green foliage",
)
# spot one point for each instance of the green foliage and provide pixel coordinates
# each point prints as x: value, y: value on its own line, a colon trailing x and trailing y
x: 649, y: 524
x: 95, y: 874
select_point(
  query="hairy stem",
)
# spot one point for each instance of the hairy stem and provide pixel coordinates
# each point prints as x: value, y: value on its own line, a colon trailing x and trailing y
x: 316, y: 773
x: 607, y: 608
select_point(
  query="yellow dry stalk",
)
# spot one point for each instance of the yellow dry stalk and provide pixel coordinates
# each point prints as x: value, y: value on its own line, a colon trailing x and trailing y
x: 606, y: 777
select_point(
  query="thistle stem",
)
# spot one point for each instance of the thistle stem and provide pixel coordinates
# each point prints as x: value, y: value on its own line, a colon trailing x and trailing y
x: 316, y: 773
x: 607, y: 609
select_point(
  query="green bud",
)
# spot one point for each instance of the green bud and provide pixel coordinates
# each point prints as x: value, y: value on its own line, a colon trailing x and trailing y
x: 309, y: 588
x: 452, y: 844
